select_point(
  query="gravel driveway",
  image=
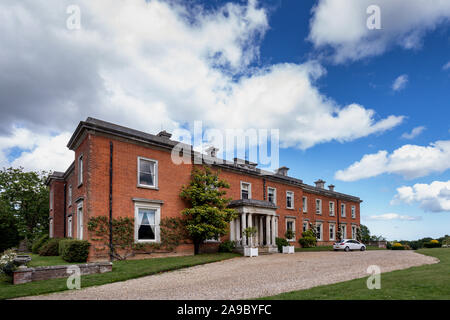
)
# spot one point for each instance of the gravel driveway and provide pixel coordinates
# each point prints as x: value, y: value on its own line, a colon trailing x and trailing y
x: 242, y: 278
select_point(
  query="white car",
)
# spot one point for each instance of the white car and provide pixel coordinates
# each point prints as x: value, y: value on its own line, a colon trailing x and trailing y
x: 349, y: 244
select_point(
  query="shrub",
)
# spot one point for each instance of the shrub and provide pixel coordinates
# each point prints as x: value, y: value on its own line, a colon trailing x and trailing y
x: 75, y: 250
x: 289, y: 234
x: 7, y: 265
x: 388, y: 245
x: 227, y: 246
x: 397, y: 246
x: 280, y: 242
x: 308, y: 239
x: 50, y: 248
x: 432, y: 244
x: 38, y: 243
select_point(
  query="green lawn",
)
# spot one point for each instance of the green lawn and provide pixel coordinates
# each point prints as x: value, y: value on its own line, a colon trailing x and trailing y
x: 424, y: 282
x: 122, y: 270
x: 39, y: 261
x: 330, y: 248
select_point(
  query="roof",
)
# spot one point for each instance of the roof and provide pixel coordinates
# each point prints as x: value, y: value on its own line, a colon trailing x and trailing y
x: 252, y: 203
x: 163, y: 140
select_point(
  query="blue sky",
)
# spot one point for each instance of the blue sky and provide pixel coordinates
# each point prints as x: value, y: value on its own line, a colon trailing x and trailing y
x: 320, y: 76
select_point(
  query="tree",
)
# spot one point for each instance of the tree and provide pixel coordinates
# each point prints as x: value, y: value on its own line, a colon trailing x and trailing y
x: 365, y: 233
x: 24, y: 201
x: 207, y: 216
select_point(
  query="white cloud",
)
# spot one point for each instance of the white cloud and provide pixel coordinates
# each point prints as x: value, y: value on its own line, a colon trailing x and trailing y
x: 414, y: 133
x: 446, y: 66
x: 410, y: 161
x: 342, y: 25
x: 400, y: 82
x: 37, y: 152
x: 434, y: 197
x: 153, y: 64
x: 391, y: 217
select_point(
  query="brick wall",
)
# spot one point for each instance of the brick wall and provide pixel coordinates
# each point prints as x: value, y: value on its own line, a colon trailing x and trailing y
x: 95, y: 149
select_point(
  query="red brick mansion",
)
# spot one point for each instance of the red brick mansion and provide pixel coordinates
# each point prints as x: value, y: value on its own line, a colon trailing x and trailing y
x: 146, y: 184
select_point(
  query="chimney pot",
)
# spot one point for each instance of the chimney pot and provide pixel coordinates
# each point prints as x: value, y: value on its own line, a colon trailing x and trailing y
x: 331, y: 187
x: 212, y: 151
x: 320, y: 184
x: 164, y: 134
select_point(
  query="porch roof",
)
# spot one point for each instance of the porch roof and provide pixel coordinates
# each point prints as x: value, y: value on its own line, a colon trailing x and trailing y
x: 252, y: 203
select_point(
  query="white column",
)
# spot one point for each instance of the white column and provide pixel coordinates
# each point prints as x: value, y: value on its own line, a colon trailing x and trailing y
x: 273, y: 230
x: 267, y: 230
x: 238, y: 228
x: 257, y: 229
x: 250, y: 224
x: 244, y: 225
x: 261, y: 231
x: 232, y: 230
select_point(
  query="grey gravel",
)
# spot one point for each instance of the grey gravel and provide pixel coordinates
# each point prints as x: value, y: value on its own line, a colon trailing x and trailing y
x: 243, y: 278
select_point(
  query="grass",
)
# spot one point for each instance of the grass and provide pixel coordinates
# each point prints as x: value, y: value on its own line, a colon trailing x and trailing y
x: 330, y: 248
x: 428, y: 282
x: 39, y: 261
x: 122, y: 270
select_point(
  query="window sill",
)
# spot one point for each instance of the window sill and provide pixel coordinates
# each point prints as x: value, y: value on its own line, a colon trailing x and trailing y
x: 290, y: 208
x: 147, y: 187
x: 147, y: 241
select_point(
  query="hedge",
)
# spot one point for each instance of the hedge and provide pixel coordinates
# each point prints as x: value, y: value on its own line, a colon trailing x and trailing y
x: 50, y: 248
x: 38, y: 243
x: 74, y: 250
x: 280, y: 242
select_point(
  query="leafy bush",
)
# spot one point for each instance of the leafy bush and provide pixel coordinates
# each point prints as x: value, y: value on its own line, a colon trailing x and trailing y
x: 432, y: 244
x: 280, y: 242
x: 308, y: 239
x: 227, y: 246
x: 397, y: 246
x: 74, y: 250
x: 388, y: 245
x: 38, y: 243
x: 7, y: 265
x: 289, y: 234
x: 50, y: 248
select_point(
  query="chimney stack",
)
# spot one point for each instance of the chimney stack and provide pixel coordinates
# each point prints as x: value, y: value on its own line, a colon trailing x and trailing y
x: 283, y: 171
x: 164, y: 134
x: 331, y: 187
x: 320, y: 184
x: 212, y: 151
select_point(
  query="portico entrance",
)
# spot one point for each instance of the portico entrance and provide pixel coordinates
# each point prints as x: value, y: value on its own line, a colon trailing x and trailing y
x: 259, y: 214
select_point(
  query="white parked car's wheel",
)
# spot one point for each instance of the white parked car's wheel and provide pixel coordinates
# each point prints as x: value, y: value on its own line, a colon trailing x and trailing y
x: 363, y: 248
x: 347, y: 249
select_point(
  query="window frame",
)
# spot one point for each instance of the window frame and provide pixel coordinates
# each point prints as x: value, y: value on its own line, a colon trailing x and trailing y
x: 303, y: 226
x: 80, y: 222
x: 332, y: 226
x: 305, y: 204
x: 293, y: 228
x: 51, y: 228
x: 292, y: 199
x: 70, y: 194
x: 150, y: 206
x: 343, y: 211
x: 343, y: 231
x: 354, y: 232
x: 249, y: 189
x: 274, y: 194
x: 320, y: 206
x: 69, y: 226
x: 332, y: 213
x: 51, y: 197
x: 320, y: 238
x: 155, y: 176
x: 353, y: 208
x: 80, y: 170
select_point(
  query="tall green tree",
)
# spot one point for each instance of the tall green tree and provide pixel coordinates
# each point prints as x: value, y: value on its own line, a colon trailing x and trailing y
x: 365, y: 233
x: 24, y: 201
x: 207, y: 216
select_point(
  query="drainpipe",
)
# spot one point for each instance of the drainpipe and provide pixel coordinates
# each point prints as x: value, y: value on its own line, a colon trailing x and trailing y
x: 264, y: 189
x: 111, y: 246
x: 338, y: 213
